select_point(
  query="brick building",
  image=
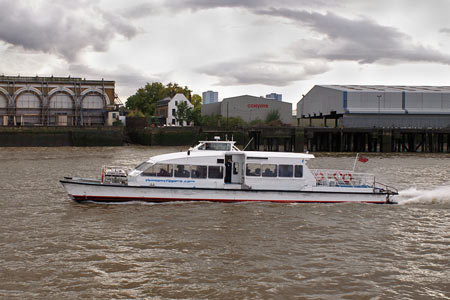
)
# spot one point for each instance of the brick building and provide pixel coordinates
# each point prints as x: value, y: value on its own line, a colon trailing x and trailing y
x: 55, y: 101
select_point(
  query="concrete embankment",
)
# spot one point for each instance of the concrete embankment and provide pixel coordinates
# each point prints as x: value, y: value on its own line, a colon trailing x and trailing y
x: 60, y: 136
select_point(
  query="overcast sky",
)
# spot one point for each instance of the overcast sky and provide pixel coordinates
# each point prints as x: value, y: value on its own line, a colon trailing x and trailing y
x: 234, y: 47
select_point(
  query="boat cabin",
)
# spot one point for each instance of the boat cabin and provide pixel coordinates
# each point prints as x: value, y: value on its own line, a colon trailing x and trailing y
x: 220, y: 164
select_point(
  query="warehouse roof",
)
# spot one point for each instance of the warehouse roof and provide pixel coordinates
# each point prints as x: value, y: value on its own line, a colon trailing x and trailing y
x: 389, y: 88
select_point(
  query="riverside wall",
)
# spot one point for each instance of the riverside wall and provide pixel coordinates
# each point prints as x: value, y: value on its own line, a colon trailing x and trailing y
x: 60, y: 136
x: 300, y: 139
x: 288, y: 139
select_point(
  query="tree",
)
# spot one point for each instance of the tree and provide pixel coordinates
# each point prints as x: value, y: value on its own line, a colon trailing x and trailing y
x: 196, y: 101
x: 145, y: 98
x: 183, y: 113
x: 273, y: 117
x: 173, y: 88
x: 196, y: 115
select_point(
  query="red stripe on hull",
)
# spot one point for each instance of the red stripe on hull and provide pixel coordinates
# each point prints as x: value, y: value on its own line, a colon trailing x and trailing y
x: 82, y: 198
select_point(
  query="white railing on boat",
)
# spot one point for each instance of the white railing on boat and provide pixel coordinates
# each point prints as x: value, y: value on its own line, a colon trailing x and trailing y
x: 345, y: 178
x: 114, y: 174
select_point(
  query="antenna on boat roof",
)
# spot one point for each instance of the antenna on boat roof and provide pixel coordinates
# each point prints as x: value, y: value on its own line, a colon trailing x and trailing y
x: 248, y: 144
x: 217, y: 138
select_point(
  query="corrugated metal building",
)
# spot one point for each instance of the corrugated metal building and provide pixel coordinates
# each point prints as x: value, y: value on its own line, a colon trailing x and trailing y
x: 378, y: 106
x: 249, y: 108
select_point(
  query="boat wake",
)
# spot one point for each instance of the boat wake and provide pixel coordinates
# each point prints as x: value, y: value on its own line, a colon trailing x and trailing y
x: 440, y: 195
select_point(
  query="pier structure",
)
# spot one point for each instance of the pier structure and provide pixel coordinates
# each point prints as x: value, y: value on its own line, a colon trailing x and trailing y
x: 375, y: 140
x: 315, y: 139
x: 55, y: 101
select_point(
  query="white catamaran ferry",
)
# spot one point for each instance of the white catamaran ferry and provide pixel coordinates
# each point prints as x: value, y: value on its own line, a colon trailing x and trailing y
x: 219, y: 171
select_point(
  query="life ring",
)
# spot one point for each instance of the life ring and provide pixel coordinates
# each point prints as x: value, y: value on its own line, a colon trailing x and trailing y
x: 347, y: 178
x: 320, y: 177
x: 337, y: 174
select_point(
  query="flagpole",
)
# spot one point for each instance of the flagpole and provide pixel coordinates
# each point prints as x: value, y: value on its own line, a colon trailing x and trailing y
x: 354, y: 164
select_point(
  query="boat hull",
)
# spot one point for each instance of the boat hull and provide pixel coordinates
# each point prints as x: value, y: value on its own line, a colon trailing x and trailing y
x: 81, y: 191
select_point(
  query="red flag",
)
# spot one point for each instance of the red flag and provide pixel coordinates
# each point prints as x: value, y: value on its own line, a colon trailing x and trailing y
x: 363, y: 159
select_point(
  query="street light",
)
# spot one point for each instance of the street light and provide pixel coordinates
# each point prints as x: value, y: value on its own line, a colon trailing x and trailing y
x: 379, y: 97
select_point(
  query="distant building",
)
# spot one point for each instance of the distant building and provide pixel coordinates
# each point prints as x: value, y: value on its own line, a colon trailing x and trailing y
x: 379, y: 106
x: 210, y: 97
x: 275, y: 96
x: 55, y: 101
x: 166, y: 108
x: 249, y: 108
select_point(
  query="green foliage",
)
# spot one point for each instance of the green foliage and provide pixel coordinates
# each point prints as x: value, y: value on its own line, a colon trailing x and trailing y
x: 135, y: 114
x: 196, y: 101
x: 118, y: 123
x: 145, y: 98
x: 219, y: 121
x: 171, y: 89
x: 196, y: 115
x: 235, y: 123
x: 211, y: 121
x: 273, y: 116
x: 183, y: 113
x: 256, y: 122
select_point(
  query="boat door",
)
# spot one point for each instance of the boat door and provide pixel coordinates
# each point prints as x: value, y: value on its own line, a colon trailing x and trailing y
x: 237, y: 174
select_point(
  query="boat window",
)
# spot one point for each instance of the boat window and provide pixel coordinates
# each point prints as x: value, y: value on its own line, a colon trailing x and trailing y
x: 163, y: 170
x: 150, y: 171
x: 198, y: 171
x: 269, y: 170
x: 285, y: 170
x: 143, y: 166
x: 182, y: 171
x: 253, y: 170
x: 216, y: 146
x: 215, y: 172
x: 235, y: 168
x: 160, y: 170
x: 298, y: 171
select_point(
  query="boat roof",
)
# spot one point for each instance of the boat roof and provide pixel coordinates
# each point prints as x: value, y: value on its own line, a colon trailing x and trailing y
x: 221, y: 154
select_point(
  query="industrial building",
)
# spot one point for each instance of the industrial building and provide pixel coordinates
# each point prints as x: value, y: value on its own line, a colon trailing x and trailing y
x: 249, y: 108
x: 376, y: 106
x: 275, y: 96
x: 56, y: 101
x: 210, y: 97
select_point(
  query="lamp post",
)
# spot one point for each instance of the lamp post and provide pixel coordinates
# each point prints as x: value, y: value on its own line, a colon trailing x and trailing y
x: 379, y: 97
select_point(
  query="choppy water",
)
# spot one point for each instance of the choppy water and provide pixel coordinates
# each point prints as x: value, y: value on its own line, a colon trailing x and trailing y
x: 53, y: 248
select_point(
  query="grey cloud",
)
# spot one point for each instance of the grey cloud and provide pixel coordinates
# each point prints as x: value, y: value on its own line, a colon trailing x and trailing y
x: 270, y: 73
x: 445, y: 30
x: 58, y: 29
x: 361, y: 40
x: 128, y: 79
x: 123, y: 75
x: 140, y: 11
x: 248, y: 4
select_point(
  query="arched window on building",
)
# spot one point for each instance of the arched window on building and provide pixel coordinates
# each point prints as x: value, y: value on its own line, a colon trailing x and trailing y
x: 28, y: 109
x: 62, y: 111
x: 93, y: 110
x: 3, y: 110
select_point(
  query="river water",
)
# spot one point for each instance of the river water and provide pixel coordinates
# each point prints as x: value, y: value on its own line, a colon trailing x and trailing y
x: 54, y: 248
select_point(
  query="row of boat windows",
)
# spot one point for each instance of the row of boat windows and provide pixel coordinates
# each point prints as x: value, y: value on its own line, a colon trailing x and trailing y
x: 272, y: 170
x: 216, y: 172
x: 184, y: 171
